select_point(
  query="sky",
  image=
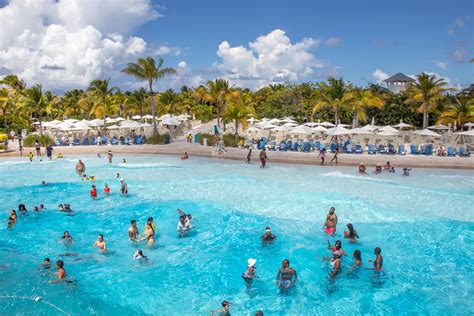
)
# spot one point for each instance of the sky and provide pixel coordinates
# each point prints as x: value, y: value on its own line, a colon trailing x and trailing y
x: 64, y: 44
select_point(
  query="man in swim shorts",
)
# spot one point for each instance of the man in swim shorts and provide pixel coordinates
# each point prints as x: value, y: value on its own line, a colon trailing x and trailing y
x: 49, y: 151
x: 110, y: 155
x: 123, y: 187
x: 329, y: 226
x: 286, y: 277
x: 268, y: 236
x: 61, y: 275
x: 133, y: 231
x: 263, y: 158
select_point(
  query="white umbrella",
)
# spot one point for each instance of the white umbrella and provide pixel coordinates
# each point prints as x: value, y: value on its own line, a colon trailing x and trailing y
x: 327, y: 124
x: 360, y: 131
x: 170, y: 121
x: 301, y: 129
x: 70, y: 121
x: 252, y: 120
x: 136, y: 117
x: 343, y: 125
x: 439, y: 127
x: 312, y: 124
x: 268, y: 125
x: 368, y: 127
x: 113, y: 127
x: 119, y: 119
x: 145, y: 125
x: 320, y: 129
x: 163, y: 117
x: 282, y: 128
x: 148, y: 117
x: 426, y: 132
x: 110, y: 120
x: 386, y: 133
x: 388, y: 128
x: 287, y: 120
x: 470, y: 124
x: 290, y: 124
x: 275, y: 121
x: 466, y: 133
x: 338, y: 130
x: 129, y: 124
x: 253, y: 129
x: 402, y: 125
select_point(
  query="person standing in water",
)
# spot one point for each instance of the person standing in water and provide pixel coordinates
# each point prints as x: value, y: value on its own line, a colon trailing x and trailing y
x: 94, y: 192
x: 123, y: 187
x: 351, y: 233
x: 110, y: 155
x: 286, y: 277
x: 322, y: 155
x: 330, y: 224
x: 335, y: 264
x: 224, y: 311
x: 133, y: 232
x: 249, y: 155
x: 80, y: 168
x: 61, y: 274
x: 49, y: 151
x: 106, y: 189
x: 100, y: 243
x: 249, y: 275
x: 263, y: 158
x: 357, y: 256
x: 378, y: 262
x: 30, y: 156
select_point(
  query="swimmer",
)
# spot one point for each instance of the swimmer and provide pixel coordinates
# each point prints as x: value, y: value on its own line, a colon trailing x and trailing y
x: 184, y: 226
x: 67, y: 238
x: 91, y: 178
x: 12, y: 219
x: 185, y: 156
x: 337, y: 248
x: 362, y: 168
x: 335, y: 264
x: 378, y: 262
x: 150, y: 235
x: 133, y: 231
x: 249, y: 275
x: 46, y: 263
x: 378, y: 168
x: 138, y: 255
x: 351, y: 234
x: 268, y: 236
x: 64, y: 208
x: 110, y: 155
x: 30, y: 156
x: 224, y: 311
x: 100, y: 243
x: 43, y: 182
x: 387, y: 166
x: 98, y: 155
x: 93, y: 192
x: 124, y: 161
x: 392, y: 170
x: 80, y: 168
x: 22, y: 209
x: 117, y: 175
x: 357, y: 260
x: 61, y: 275
x: 106, y: 189
x: 330, y: 224
x: 123, y: 187
x: 151, y: 222
x: 286, y: 277
x: 406, y: 172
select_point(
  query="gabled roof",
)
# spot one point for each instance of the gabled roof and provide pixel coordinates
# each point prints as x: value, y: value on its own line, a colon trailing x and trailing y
x: 399, y: 77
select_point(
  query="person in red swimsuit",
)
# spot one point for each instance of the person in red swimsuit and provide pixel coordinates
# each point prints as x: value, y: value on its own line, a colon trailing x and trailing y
x: 93, y: 192
x: 106, y: 189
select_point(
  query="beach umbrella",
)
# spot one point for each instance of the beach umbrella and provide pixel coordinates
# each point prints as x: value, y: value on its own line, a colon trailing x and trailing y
x: 281, y: 128
x: 343, y: 125
x: 426, y: 132
x: 327, y: 124
x: 287, y: 120
x: 275, y: 121
x: 301, y: 129
x: 388, y: 128
x: 129, y: 124
x: 402, y: 125
x: 113, y: 127
x: 338, y: 130
x: 119, y: 119
x: 466, y: 133
x: 252, y: 129
x: 312, y: 124
x: 70, y: 121
x: 148, y: 117
x: 360, y: 131
x: 170, y: 121
x: 368, y: 127
x: 145, y: 125
x: 268, y: 125
x: 252, y: 120
x: 439, y: 127
x: 320, y: 128
x: 469, y: 125
x: 163, y: 117
x: 136, y: 117
x: 290, y: 124
x: 386, y: 133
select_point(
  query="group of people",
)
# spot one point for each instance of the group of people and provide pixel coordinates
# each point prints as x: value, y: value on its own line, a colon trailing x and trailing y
x: 378, y: 169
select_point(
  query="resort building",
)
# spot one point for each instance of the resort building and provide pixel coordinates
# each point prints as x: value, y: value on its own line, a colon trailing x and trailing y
x: 398, y: 82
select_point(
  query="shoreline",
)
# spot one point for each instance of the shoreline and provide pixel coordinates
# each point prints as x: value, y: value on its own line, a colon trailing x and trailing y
x: 179, y: 148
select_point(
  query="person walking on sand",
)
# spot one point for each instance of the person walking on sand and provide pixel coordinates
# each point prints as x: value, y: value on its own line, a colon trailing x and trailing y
x: 263, y: 158
x: 38, y: 148
x: 322, y: 155
x: 49, y: 152
x: 335, y: 156
x: 249, y: 155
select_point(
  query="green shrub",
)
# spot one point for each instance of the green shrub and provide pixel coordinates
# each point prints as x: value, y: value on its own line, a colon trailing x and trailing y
x: 44, y: 140
x: 3, y: 147
x: 231, y: 140
x: 159, y: 139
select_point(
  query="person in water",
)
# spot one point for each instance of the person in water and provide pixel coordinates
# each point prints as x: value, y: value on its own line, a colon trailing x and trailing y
x: 378, y: 262
x: 49, y: 152
x: 378, y: 168
x: 185, y: 156
x: 133, y: 233
x: 30, y: 156
x: 64, y: 208
x: 80, y: 168
x: 335, y: 264
x: 286, y: 277
x: 387, y: 166
x: 124, y: 161
x: 224, y: 311
x: 123, y: 187
x: 322, y: 155
x: 249, y: 275
x: 46, y: 263
x: 362, y: 168
x: 22, y: 209
x: 61, y: 274
x: 110, y: 155
x: 337, y: 248
x: 351, y: 233
x: 149, y: 235
x: 138, y: 255
x: 117, y: 175
x: 12, y: 219
x: 67, y: 238
x: 249, y: 156
x: 357, y: 256
x: 43, y: 182
x: 106, y: 189
x: 94, y: 192
x: 184, y: 226
x: 151, y: 222
x: 100, y: 243
x: 406, y: 171
x: 330, y: 224
x: 268, y: 236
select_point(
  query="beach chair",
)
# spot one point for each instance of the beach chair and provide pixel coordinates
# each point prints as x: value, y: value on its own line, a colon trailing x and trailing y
x: 104, y: 140
x: 451, y: 152
x: 306, y: 147
x: 382, y: 149
x: 413, y: 149
x: 317, y: 145
x: 463, y: 152
x: 294, y: 146
x: 76, y: 142
x: 322, y: 146
x: 391, y: 149
x: 428, y: 150
x: 401, y: 150
x: 358, y: 149
x: 289, y: 143
x: 333, y: 147
x: 349, y: 149
x: 114, y: 141
x: 126, y: 141
x: 86, y: 142
x: 58, y: 142
x: 272, y: 146
x: 372, y: 150
x: 94, y: 141
x: 282, y: 146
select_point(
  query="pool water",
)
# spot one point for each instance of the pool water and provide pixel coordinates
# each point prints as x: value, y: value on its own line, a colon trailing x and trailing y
x: 423, y: 223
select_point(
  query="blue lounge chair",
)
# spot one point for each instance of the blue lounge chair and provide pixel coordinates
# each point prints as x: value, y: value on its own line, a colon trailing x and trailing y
x: 413, y: 149
x: 382, y: 149
x: 333, y: 147
x: 322, y: 146
x: 294, y: 146
x: 372, y: 150
x: 358, y: 149
x: 401, y: 150
x: 282, y: 146
x: 114, y: 141
x: 94, y: 141
x: 349, y: 149
x: 307, y: 147
x: 391, y: 149
x: 451, y: 152
x: 428, y: 151
x: 126, y: 141
x: 272, y: 146
x: 76, y: 142
x: 104, y: 140
x: 463, y: 152
x: 289, y: 143
x: 317, y: 145
x: 86, y: 142
x: 58, y: 142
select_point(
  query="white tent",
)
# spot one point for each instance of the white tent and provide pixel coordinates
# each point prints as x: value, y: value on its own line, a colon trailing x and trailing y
x: 327, y: 124
x: 360, y: 131
x: 338, y: 130
x: 426, y: 132
x: 402, y: 125
x: 386, y: 133
x: 439, y: 127
x: 136, y: 117
x: 171, y: 121
x: 466, y: 133
x: 320, y: 128
x: 388, y: 128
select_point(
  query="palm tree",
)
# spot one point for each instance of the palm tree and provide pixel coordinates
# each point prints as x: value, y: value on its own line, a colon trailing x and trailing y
x: 35, y: 103
x: 426, y: 91
x: 169, y: 100
x: 335, y: 94
x: 135, y: 102
x: 238, y: 110
x: 462, y: 111
x: 99, y: 90
x: 147, y: 69
x: 362, y: 99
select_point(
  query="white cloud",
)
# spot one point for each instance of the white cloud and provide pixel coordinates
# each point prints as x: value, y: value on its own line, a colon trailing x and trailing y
x: 165, y: 50
x: 459, y: 23
x: 458, y: 55
x: 441, y: 65
x: 68, y: 43
x: 271, y: 58
x: 379, y: 75
x: 333, y: 42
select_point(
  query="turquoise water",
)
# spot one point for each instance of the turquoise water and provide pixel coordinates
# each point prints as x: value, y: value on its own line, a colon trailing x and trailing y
x: 423, y: 223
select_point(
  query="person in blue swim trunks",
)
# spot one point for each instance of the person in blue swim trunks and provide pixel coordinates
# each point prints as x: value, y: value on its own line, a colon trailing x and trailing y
x: 286, y: 277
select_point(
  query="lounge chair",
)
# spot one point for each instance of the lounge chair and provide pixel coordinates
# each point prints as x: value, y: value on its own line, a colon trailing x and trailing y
x: 372, y: 150
x: 401, y: 150
x: 114, y: 141
x: 294, y: 146
x: 317, y: 145
x: 104, y: 140
x: 382, y: 149
x: 428, y: 151
x: 307, y: 147
x: 76, y: 142
x: 358, y: 149
x: 333, y: 147
x: 94, y: 141
x: 58, y: 142
x: 451, y: 152
x: 463, y: 152
x: 391, y: 149
x: 289, y: 143
x: 413, y: 149
x: 272, y: 146
x: 349, y: 149
x: 126, y: 141
x: 282, y: 146
x: 86, y: 142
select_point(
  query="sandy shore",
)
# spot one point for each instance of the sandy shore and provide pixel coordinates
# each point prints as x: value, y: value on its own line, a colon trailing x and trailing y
x: 274, y: 156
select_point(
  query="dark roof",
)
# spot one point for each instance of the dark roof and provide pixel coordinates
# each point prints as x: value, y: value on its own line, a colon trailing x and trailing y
x: 399, y: 77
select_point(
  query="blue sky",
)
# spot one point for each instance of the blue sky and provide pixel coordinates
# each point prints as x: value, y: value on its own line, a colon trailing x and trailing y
x: 362, y: 41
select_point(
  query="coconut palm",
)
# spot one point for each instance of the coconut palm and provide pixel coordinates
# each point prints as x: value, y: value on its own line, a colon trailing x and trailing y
x: 361, y: 100
x: 334, y: 95
x: 238, y: 110
x: 147, y: 69
x: 100, y: 91
x: 169, y: 101
x: 73, y: 103
x: 461, y: 111
x: 426, y: 91
x: 136, y: 102
x: 35, y: 103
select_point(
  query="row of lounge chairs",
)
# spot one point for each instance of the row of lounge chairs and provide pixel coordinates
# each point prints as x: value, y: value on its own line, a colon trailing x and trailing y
x: 349, y: 148
x: 104, y: 140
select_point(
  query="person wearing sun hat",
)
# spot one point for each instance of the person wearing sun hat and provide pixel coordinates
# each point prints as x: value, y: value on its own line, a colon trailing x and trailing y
x: 249, y: 275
